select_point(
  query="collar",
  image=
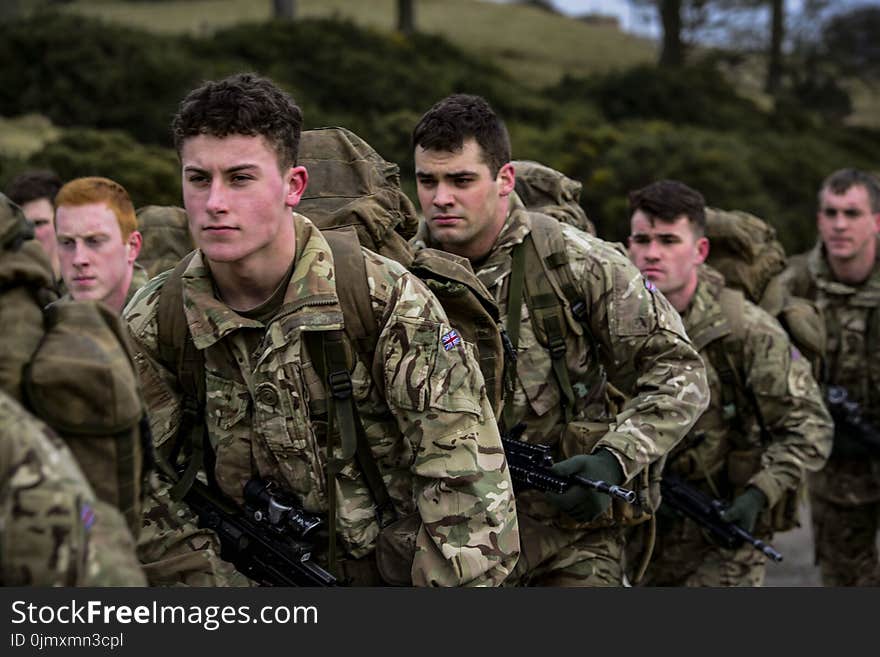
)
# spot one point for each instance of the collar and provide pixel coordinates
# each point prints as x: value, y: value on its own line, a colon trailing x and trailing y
x: 309, y: 301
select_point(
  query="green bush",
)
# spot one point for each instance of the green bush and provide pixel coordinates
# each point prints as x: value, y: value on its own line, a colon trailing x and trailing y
x: 151, y: 174
x: 82, y: 72
x: 695, y: 95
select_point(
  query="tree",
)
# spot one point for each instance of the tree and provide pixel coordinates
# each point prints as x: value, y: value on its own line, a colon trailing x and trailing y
x: 849, y: 40
x: 773, y: 80
x: 672, y: 54
x: 406, y: 19
x: 284, y: 9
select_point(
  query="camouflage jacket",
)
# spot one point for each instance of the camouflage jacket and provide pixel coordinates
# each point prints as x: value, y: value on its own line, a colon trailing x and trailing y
x: 726, y: 445
x: 642, y: 344
x: 424, y: 410
x: 54, y: 531
x: 852, y: 318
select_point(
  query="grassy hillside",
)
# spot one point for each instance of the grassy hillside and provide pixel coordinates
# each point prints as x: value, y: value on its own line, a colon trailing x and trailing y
x: 534, y: 46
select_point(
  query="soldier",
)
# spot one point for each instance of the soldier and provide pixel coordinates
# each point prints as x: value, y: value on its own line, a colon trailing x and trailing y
x: 261, y: 282
x: 842, y: 275
x: 98, y: 241
x: 610, y: 321
x: 35, y: 192
x: 54, y: 531
x: 765, y: 426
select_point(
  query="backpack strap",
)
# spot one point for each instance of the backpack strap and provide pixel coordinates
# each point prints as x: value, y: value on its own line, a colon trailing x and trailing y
x: 543, y: 249
x: 179, y: 354
x: 727, y: 356
x: 332, y: 360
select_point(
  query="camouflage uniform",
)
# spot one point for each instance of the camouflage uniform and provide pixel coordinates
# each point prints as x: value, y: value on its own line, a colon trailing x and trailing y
x: 721, y: 460
x: 845, y: 495
x: 645, y: 351
x: 424, y: 409
x: 54, y: 531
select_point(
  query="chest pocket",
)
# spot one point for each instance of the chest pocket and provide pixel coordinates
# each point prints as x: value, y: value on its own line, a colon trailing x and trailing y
x: 226, y: 404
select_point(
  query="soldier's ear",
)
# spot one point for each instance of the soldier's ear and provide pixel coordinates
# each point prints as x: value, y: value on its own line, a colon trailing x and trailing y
x: 506, y: 180
x: 702, y: 250
x: 297, y: 179
x: 135, y: 240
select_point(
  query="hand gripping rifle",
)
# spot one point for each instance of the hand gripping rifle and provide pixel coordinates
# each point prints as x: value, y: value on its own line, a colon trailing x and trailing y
x: 706, y: 512
x: 270, y: 540
x: 530, y: 468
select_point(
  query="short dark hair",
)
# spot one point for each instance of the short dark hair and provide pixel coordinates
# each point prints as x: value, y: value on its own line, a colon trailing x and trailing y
x: 841, y: 180
x: 241, y: 104
x: 459, y: 117
x: 34, y: 185
x: 667, y: 200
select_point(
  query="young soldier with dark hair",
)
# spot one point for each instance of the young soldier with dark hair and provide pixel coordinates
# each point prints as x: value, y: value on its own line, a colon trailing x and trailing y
x: 842, y: 275
x: 765, y: 426
x: 34, y: 192
x: 262, y: 281
x: 576, y: 311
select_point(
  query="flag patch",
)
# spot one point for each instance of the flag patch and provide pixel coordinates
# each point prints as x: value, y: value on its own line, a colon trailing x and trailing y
x: 87, y: 516
x: 650, y: 286
x: 450, y: 340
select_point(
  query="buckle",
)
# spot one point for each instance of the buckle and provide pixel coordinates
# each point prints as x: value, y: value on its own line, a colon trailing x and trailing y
x: 340, y: 384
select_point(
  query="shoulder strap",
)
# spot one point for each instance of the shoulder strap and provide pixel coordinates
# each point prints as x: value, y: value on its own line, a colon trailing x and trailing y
x: 179, y: 354
x: 544, y: 250
x: 332, y: 360
x: 727, y: 356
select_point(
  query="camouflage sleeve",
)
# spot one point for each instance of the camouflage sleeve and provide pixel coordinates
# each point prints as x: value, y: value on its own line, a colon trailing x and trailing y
x: 651, y: 358
x: 790, y: 403
x: 53, y: 529
x: 461, y: 486
x: 173, y: 549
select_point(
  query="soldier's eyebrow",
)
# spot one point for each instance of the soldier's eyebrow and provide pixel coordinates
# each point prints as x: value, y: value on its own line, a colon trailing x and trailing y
x: 84, y: 236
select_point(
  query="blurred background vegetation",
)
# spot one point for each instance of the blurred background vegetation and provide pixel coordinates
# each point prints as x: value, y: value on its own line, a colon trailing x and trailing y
x: 88, y: 87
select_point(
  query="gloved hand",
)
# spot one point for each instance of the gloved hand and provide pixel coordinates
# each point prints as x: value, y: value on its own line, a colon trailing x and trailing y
x: 581, y: 503
x: 745, y: 509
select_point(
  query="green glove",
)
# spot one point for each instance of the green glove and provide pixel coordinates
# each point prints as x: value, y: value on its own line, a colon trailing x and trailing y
x: 581, y: 503
x: 745, y: 509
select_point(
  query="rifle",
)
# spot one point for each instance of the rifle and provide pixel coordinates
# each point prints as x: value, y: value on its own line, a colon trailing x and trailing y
x: 530, y: 468
x: 847, y: 414
x: 706, y: 512
x: 269, y: 540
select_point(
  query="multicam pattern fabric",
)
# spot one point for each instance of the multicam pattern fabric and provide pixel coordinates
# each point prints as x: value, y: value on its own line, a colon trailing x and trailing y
x: 54, y: 531
x: 424, y: 410
x: 721, y: 460
x: 848, y: 486
x: 645, y: 350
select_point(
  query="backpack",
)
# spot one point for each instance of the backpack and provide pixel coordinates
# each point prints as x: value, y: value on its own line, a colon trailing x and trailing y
x: 165, y: 230
x: 745, y: 250
x: 551, y: 192
x: 71, y: 365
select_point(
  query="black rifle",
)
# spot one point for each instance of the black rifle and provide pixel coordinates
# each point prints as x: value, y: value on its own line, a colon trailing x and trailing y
x: 848, y: 418
x: 530, y: 468
x: 269, y: 540
x: 706, y: 512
